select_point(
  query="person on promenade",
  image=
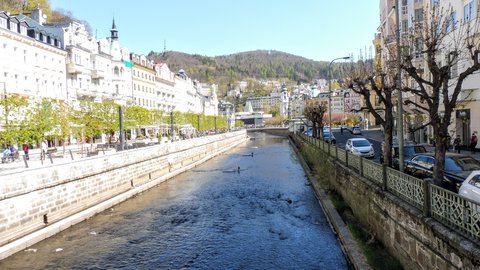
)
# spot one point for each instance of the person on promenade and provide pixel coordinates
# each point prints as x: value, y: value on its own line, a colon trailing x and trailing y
x: 456, y: 144
x: 44, y: 150
x: 473, y: 143
x: 25, y: 150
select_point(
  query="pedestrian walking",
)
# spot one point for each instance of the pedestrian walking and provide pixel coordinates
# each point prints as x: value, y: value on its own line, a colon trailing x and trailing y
x: 25, y: 150
x: 473, y: 143
x: 456, y: 144
x: 44, y: 150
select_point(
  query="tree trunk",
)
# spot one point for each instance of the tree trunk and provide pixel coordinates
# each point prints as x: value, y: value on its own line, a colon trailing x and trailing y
x: 441, y: 138
x: 387, y: 146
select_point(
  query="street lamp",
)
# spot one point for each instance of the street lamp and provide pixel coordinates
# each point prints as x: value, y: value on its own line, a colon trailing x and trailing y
x: 330, y: 96
x: 399, y: 92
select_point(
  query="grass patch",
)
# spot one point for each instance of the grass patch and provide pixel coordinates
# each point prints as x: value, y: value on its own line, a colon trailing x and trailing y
x: 377, y: 256
x: 375, y: 253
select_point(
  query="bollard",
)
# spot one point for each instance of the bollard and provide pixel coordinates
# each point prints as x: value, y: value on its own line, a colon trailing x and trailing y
x: 50, y: 156
x: 25, y: 160
x: 71, y: 154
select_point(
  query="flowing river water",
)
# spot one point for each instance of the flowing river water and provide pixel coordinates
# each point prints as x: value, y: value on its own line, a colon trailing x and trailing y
x: 263, y: 216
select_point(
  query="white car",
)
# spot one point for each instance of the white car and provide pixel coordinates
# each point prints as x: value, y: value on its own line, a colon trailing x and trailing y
x: 360, y: 147
x: 470, y: 188
x: 356, y: 131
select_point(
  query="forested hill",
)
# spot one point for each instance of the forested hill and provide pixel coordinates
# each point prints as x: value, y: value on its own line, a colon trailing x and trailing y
x: 260, y: 64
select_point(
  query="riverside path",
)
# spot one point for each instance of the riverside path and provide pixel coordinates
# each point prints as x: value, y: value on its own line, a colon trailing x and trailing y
x: 249, y: 208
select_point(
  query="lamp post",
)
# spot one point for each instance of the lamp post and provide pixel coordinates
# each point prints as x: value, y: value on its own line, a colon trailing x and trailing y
x: 330, y: 96
x: 399, y: 92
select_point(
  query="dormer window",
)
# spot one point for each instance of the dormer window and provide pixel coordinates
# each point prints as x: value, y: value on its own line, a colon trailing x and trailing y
x: 3, y: 22
x: 23, y: 30
x: 13, y: 26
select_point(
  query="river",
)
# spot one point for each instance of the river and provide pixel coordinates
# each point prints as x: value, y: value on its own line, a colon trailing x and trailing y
x: 263, y: 216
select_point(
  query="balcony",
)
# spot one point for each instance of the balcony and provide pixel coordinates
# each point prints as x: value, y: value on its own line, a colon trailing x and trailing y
x: 86, y: 93
x: 73, y: 69
x: 98, y: 74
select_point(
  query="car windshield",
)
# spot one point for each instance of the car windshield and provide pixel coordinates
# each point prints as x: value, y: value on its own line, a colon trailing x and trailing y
x: 360, y: 143
x: 409, y: 151
x: 456, y: 164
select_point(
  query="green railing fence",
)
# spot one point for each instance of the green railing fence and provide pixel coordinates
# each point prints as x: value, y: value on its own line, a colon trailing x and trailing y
x: 451, y: 209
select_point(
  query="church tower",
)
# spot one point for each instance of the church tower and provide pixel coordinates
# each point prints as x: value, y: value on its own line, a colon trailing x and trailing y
x: 114, y: 31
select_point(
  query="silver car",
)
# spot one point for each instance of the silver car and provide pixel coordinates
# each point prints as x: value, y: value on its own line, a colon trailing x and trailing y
x: 360, y: 147
x: 470, y: 188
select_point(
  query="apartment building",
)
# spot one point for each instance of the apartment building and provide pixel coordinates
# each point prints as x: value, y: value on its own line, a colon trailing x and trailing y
x: 411, y: 13
x: 278, y: 98
x: 32, y: 59
x: 144, y: 83
x: 165, y: 87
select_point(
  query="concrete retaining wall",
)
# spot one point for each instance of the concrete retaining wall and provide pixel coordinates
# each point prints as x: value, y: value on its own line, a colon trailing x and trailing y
x: 417, y: 241
x: 37, y: 203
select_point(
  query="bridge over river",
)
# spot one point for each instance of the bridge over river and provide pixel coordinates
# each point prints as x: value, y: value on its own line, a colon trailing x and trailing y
x: 240, y: 210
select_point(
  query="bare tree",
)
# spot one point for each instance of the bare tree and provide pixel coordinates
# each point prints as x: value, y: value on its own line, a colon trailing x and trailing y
x: 438, y: 54
x: 315, y: 111
x: 364, y: 78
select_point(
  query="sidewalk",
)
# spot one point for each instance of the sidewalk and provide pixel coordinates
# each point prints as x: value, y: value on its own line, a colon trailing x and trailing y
x: 58, y: 157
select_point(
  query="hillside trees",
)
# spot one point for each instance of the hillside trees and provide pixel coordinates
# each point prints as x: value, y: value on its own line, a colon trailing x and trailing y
x: 450, y: 50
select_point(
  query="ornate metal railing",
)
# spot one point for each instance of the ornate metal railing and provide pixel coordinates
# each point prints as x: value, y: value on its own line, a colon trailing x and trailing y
x: 407, y: 187
x: 372, y: 171
x: 342, y: 155
x: 354, y: 161
x: 455, y: 211
x: 451, y: 209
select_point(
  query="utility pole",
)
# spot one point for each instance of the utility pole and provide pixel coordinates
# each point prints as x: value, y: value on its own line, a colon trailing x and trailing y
x: 120, y: 115
x: 399, y: 91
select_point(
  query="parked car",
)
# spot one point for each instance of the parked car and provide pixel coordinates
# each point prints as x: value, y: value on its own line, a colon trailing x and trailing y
x: 327, y: 138
x: 308, y: 132
x: 470, y: 188
x: 409, y: 150
x: 360, y: 147
x: 356, y: 131
x: 457, y: 168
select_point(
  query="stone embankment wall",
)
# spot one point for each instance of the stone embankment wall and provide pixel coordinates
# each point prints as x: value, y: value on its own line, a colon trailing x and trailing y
x: 417, y: 241
x: 37, y: 203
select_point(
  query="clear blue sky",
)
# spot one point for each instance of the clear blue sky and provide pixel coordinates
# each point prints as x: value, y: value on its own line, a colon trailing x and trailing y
x: 315, y: 29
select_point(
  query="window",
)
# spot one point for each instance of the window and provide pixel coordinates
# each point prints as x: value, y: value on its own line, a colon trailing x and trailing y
x: 451, y: 22
x: 418, y: 15
x: 475, y: 181
x: 469, y: 11
x: 23, y: 30
x: 3, y: 22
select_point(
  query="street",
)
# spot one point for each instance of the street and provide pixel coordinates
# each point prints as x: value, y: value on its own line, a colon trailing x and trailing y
x: 375, y: 136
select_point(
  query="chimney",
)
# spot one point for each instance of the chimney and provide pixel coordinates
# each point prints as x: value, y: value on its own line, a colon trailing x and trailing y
x: 38, y: 16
